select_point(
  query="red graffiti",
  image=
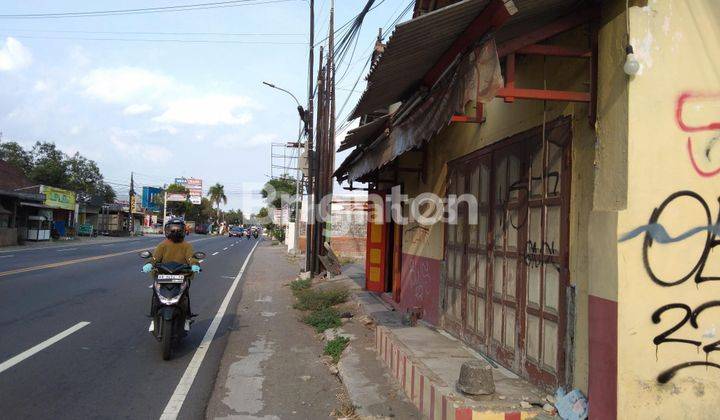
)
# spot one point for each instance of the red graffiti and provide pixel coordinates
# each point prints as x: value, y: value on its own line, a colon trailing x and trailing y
x: 694, y: 98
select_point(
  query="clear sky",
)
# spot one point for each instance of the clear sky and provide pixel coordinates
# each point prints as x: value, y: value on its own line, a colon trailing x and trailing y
x: 123, y: 91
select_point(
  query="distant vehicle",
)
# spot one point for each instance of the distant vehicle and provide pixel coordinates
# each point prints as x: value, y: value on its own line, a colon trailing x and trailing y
x: 237, y: 232
x: 202, y: 229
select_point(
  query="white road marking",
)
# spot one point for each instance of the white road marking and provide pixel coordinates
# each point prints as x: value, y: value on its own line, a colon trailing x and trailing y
x: 40, y: 347
x: 172, y: 409
x: 216, y: 252
x: 225, y: 249
x: 7, y: 256
x: 66, y: 249
x: 232, y: 244
x: 108, y: 245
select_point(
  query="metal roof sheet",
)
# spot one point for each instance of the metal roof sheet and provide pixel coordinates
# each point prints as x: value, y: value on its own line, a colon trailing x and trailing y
x: 363, y: 133
x: 412, y: 50
x: 416, y: 45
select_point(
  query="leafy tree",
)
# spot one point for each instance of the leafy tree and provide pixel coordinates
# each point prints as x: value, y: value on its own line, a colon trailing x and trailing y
x: 50, y: 165
x: 14, y: 154
x: 201, y: 213
x: 235, y: 217
x: 217, y: 195
x: 277, y: 191
x: 107, y: 193
x: 84, y: 177
x: 178, y: 208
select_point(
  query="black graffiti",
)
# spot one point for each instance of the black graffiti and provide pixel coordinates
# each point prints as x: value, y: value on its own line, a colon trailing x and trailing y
x: 665, y: 376
x: 663, y: 337
x: 538, y: 256
x: 711, y: 242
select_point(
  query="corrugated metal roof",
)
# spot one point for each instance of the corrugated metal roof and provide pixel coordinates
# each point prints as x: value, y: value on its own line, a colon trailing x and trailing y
x: 361, y: 134
x: 412, y: 50
x: 416, y: 45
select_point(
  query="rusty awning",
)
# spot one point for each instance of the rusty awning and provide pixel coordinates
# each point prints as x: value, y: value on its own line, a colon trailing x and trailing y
x: 364, y: 133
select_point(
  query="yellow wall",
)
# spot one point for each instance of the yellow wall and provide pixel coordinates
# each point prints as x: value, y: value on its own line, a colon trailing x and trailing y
x: 678, y: 43
x: 504, y: 120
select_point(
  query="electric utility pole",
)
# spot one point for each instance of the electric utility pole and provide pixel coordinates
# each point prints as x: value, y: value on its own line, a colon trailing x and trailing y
x: 309, y: 121
x: 131, y: 221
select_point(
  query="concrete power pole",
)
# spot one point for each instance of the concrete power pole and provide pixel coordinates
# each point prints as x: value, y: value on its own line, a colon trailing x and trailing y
x: 131, y: 221
x: 309, y: 121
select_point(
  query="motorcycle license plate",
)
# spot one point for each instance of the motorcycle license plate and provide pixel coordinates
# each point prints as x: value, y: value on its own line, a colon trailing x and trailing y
x: 170, y: 278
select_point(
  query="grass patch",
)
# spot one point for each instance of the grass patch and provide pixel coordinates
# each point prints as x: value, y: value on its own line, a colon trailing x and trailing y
x: 314, y: 300
x: 335, y: 347
x: 323, y: 319
x: 300, y: 284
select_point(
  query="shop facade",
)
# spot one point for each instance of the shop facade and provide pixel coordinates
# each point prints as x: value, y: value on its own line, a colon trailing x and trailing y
x: 558, y: 271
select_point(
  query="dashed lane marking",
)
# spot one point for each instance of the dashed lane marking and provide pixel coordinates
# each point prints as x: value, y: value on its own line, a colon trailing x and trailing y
x: 216, y: 252
x: 172, y: 409
x: 40, y: 347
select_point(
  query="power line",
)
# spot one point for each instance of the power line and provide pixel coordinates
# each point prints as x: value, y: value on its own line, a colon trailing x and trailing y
x: 230, y: 34
x: 184, y: 41
x: 160, y: 9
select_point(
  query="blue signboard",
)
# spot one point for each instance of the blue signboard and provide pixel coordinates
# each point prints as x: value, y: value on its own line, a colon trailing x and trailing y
x: 148, y: 198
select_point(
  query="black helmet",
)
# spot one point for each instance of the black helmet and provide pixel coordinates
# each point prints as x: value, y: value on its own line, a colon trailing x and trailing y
x: 175, y: 229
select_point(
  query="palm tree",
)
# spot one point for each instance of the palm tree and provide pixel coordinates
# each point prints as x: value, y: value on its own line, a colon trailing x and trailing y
x: 217, y: 195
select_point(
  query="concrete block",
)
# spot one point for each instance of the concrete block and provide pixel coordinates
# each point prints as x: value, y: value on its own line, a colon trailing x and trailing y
x: 476, y: 378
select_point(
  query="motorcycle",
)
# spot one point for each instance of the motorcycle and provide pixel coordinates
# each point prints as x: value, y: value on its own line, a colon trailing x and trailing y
x: 171, y: 285
x: 255, y: 233
x: 247, y: 233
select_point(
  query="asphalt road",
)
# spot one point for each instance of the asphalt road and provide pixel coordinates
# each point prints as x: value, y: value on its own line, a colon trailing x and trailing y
x: 111, y: 367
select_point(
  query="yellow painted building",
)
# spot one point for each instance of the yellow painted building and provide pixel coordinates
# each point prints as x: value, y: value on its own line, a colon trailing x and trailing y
x: 591, y: 263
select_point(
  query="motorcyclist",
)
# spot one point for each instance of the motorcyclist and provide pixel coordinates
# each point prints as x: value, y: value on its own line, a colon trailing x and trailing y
x: 174, y: 249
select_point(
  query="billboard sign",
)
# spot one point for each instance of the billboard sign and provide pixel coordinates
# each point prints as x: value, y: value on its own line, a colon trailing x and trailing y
x: 58, y: 198
x: 148, y: 198
x: 176, y: 197
x: 194, y: 185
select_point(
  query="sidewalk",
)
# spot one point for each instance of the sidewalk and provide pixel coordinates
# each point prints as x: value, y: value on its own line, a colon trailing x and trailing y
x: 425, y: 363
x: 271, y: 367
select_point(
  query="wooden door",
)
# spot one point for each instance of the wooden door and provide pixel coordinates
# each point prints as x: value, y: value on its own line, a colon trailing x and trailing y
x: 376, y: 248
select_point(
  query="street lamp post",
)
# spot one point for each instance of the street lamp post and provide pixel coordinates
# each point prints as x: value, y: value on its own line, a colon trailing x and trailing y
x: 301, y: 112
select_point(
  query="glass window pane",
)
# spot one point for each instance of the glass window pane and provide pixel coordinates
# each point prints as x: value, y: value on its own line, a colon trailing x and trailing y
x: 470, y: 315
x: 501, y: 195
x: 450, y: 266
x: 552, y: 285
x: 511, y: 225
x: 482, y: 271
x: 550, y: 344
x: 450, y: 233
x: 554, y: 169
x: 510, y: 278
x: 498, y: 229
x: 533, y: 337
x: 533, y: 285
x: 514, y: 177
x: 497, y: 322
x: 498, y: 276
x: 552, y: 233
x: 510, y: 329
x: 480, y: 325
x: 458, y: 267
x: 535, y: 232
x: 472, y: 270
x: 536, y: 174
x: 482, y: 228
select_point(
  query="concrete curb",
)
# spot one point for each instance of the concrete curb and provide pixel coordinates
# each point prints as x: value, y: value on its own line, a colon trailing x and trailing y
x: 433, y: 399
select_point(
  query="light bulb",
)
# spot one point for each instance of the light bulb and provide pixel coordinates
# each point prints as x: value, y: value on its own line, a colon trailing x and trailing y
x: 631, y: 66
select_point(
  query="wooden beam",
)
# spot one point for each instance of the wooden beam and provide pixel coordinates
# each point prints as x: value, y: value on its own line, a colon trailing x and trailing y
x: 548, y: 31
x: 554, y: 50
x: 545, y: 95
x: 491, y: 18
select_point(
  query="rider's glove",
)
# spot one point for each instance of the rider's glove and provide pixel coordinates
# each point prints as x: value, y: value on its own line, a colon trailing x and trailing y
x: 195, y: 268
x: 147, y: 268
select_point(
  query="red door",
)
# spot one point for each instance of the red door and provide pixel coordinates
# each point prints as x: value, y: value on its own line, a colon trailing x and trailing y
x: 376, y: 251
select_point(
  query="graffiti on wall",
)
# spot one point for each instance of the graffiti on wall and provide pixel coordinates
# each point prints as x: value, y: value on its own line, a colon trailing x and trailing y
x: 691, y: 111
x: 655, y: 232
